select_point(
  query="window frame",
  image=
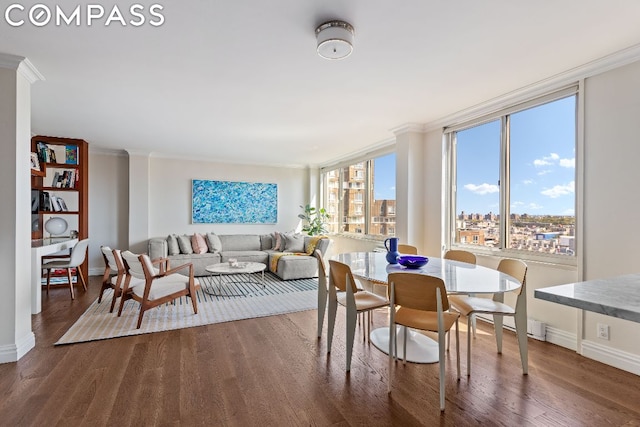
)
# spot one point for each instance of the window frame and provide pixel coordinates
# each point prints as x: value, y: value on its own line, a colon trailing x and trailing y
x: 368, y: 199
x: 503, y: 114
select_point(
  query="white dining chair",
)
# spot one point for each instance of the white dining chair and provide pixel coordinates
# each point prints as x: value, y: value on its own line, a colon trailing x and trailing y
x: 73, y: 260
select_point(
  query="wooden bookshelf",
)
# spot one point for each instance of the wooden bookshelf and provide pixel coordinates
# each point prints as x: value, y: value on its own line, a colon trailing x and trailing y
x: 69, y: 158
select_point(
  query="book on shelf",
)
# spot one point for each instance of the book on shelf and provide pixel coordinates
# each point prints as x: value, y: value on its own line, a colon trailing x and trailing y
x: 50, y: 153
x: 45, y: 201
x: 55, y: 205
x: 71, y: 155
x: 65, y: 179
x: 35, y: 201
x: 62, y: 204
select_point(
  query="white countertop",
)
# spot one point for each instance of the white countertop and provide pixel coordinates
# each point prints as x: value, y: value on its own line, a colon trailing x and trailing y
x: 616, y: 296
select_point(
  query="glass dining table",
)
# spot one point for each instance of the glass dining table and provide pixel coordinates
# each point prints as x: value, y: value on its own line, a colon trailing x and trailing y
x: 459, y: 278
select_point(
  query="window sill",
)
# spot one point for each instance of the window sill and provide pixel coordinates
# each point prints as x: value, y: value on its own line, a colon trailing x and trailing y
x: 540, y: 258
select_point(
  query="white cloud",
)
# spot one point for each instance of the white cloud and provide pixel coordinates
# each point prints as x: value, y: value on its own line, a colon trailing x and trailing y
x: 569, y: 211
x: 534, y: 206
x: 553, y: 159
x: 516, y: 204
x: 544, y: 172
x: 559, y: 190
x: 482, y: 189
x: 568, y: 163
x: 527, y: 181
x: 541, y: 162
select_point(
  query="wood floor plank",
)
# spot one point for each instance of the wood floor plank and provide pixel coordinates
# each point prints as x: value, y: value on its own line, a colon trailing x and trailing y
x: 274, y: 371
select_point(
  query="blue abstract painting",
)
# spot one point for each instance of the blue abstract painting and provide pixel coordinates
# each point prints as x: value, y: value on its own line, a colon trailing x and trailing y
x: 231, y: 202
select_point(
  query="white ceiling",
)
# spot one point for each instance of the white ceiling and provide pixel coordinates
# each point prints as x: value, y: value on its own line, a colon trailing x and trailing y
x: 240, y: 81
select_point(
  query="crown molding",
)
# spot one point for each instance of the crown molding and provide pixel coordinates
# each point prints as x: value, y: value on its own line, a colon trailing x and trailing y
x: 374, y: 150
x: 193, y: 158
x: 408, y: 127
x: 102, y: 151
x: 22, y: 65
x: 135, y: 152
x: 539, y: 88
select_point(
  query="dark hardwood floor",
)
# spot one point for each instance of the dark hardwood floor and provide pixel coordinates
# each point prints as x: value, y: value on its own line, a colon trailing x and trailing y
x: 273, y: 371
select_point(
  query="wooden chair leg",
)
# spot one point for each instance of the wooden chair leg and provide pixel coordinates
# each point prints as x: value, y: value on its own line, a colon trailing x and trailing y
x: 140, y: 316
x: 116, y: 293
x: 123, y: 295
x: 81, y: 275
x: 194, y: 303
x: 70, y: 283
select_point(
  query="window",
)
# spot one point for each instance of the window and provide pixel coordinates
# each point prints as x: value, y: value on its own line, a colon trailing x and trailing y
x: 360, y: 197
x: 513, y: 178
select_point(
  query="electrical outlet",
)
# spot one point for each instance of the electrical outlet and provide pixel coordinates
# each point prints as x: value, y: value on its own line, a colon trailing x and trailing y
x: 603, y: 331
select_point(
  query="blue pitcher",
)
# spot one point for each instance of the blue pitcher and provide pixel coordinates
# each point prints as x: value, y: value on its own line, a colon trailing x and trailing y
x: 391, y: 244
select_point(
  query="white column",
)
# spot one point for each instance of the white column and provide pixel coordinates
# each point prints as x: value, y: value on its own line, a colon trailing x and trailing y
x: 16, y: 76
x: 411, y: 186
x: 139, y: 169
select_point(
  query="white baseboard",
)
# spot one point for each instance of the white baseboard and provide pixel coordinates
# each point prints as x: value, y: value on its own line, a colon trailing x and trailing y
x: 592, y: 350
x: 610, y: 356
x: 562, y: 338
x: 535, y: 329
x: 13, y: 352
x: 96, y: 271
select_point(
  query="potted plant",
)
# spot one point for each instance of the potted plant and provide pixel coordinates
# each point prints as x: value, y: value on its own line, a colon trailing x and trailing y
x: 316, y: 220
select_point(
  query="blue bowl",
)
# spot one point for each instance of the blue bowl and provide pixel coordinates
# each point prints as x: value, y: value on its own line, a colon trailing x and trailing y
x: 413, y: 261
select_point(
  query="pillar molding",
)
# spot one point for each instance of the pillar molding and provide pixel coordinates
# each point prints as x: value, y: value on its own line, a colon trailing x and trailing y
x: 16, y: 336
x: 139, y: 170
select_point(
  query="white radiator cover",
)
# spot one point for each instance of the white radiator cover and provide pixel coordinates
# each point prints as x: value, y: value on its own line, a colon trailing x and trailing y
x: 535, y: 328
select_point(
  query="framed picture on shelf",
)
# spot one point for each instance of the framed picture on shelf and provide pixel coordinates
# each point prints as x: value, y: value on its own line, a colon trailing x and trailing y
x: 35, y: 163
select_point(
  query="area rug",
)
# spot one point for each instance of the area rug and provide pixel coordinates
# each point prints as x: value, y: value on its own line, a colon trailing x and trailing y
x: 238, y: 296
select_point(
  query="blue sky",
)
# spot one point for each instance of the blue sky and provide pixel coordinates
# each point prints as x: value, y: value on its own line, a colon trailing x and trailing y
x: 384, y: 177
x: 542, y: 162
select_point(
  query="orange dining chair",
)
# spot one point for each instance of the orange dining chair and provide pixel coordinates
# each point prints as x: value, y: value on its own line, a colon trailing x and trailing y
x: 407, y: 249
x: 469, y: 306
x: 420, y: 302
x: 469, y: 258
x: 344, y: 291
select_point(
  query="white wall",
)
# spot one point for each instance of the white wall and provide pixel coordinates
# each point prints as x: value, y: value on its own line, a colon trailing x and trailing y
x: 170, y: 195
x: 108, y: 204
x: 611, y: 203
x: 169, y: 199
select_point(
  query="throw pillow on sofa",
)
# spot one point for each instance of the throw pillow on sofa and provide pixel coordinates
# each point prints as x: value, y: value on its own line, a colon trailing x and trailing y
x: 172, y: 245
x: 214, y: 243
x: 293, y: 242
x: 185, y: 244
x: 198, y: 244
x: 266, y: 242
x: 278, y: 243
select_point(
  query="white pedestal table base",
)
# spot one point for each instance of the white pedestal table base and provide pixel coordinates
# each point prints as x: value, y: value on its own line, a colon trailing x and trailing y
x: 420, y: 348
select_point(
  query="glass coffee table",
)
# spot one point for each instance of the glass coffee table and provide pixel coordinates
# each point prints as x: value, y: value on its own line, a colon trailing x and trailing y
x: 223, y: 289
